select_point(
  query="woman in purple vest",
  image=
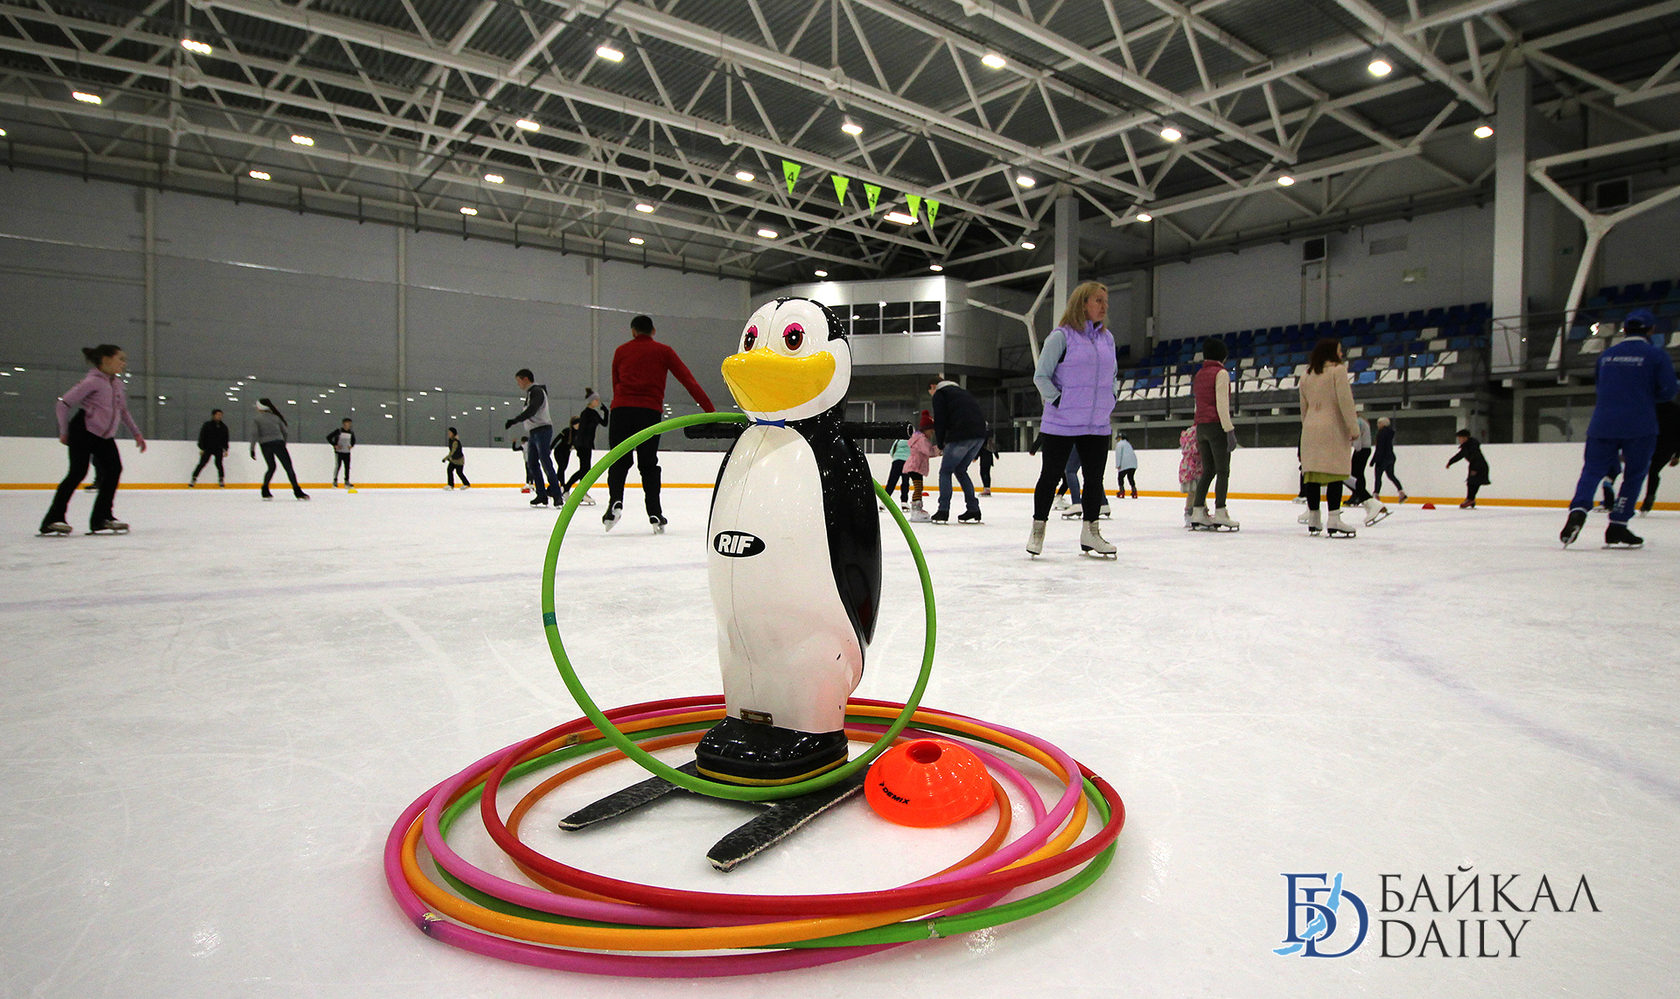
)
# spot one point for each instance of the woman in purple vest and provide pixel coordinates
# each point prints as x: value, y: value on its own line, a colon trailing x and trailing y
x: 1075, y: 376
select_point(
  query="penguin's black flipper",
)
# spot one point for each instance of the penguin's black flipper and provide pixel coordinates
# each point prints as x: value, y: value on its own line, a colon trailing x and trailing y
x: 882, y: 431
x: 714, y: 431
x: 779, y: 820
x: 629, y: 799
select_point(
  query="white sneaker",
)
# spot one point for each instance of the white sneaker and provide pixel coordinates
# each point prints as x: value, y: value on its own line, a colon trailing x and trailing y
x: 1035, y: 540
x: 1092, y: 541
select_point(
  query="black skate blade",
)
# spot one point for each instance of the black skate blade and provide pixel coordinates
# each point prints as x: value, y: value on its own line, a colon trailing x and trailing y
x: 779, y: 820
x: 628, y: 799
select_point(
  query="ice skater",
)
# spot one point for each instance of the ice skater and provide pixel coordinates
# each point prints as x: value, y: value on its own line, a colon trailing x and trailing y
x: 342, y: 440
x: 1075, y: 378
x: 639, y: 368
x: 538, y: 426
x: 1329, y: 429
x: 268, y: 431
x: 1382, y: 459
x: 1190, y: 469
x: 1634, y: 375
x: 1216, y: 437
x: 922, y: 452
x: 212, y: 446
x: 1667, y: 452
x: 455, y: 462
x: 1470, y: 452
x: 895, y: 473
x: 89, y: 416
x: 593, y: 417
x: 1125, y: 460
x: 1068, y: 493
x: 959, y: 428
x: 1361, y: 496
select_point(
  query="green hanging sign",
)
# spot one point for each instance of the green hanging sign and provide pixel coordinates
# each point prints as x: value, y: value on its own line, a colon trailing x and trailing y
x: 933, y: 211
x: 873, y: 193
x: 840, y: 185
x: 790, y: 173
x: 915, y: 203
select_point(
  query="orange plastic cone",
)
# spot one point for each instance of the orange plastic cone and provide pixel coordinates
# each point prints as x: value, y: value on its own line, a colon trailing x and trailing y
x: 928, y: 783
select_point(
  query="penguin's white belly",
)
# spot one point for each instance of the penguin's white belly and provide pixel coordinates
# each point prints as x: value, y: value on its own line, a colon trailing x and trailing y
x: 789, y: 654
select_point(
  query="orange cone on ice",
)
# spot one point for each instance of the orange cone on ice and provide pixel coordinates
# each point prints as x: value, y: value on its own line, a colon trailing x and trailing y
x: 928, y: 783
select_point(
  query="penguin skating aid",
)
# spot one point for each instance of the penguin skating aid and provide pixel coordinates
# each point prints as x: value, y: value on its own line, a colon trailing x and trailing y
x: 577, y: 921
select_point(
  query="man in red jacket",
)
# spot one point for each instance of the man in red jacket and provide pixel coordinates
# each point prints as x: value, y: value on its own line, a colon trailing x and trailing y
x: 639, y: 367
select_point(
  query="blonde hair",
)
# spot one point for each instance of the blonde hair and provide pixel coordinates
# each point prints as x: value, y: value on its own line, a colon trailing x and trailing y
x: 1073, y: 317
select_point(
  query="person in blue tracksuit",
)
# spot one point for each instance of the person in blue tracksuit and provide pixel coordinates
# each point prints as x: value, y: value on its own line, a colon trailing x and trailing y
x: 1634, y: 375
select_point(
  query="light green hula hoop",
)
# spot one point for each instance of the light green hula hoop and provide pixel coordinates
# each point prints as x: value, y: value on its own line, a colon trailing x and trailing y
x: 622, y: 742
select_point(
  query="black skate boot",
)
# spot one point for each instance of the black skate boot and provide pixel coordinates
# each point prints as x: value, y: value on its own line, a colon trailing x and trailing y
x: 1618, y: 536
x: 1572, y: 527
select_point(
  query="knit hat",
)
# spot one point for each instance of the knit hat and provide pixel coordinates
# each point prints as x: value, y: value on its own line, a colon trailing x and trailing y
x: 926, y: 422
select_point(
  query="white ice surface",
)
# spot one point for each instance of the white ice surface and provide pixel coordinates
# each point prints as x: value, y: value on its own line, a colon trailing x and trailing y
x: 209, y: 726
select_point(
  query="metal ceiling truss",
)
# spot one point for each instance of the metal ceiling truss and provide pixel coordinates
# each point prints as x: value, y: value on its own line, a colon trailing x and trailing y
x: 433, y: 105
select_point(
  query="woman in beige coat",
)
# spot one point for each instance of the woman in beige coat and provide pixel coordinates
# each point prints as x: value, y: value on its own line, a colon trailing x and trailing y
x: 1329, y: 427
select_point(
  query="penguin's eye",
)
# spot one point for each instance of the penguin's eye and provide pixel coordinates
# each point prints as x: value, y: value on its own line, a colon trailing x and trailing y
x: 793, y: 335
x: 750, y: 339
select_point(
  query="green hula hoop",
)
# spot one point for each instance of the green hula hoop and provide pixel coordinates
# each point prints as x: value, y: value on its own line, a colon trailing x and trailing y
x: 701, y: 785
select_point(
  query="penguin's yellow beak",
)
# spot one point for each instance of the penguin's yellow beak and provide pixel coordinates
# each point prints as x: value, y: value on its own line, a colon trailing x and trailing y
x: 763, y: 381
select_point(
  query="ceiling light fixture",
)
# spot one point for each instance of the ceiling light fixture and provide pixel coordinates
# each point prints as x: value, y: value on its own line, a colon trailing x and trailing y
x: 1483, y: 131
x: 1170, y: 133
x: 1286, y: 181
x: 644, y: 208
x: 637, y: 241
x: 936, y: 268
x: 527, y: 125
x: 86, y: 98
x: 303, y: 140
x: 1145, y: 217
x: 821, y: 273
x: 1026, y: 180
x: 1379, y: 67
x: 851, y: 127
x: 494, y: 178
x: 745, y: 176
x: 992, y: 60
x: 196, y: 47
x: 609, y: 53
x: 259, y: 175
x: 468, y: 210
x: 900, y: 217
x: 1027, y: 244
x: 768, y: 234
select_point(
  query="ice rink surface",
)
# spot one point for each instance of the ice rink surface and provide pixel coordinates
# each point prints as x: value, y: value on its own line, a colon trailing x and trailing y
x: 211, y: 724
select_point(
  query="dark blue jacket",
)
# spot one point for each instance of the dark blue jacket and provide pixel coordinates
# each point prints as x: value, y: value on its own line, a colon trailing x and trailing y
x: 1633, y: 376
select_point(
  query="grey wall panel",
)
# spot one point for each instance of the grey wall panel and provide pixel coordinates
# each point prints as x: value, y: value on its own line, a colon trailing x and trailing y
x: 260, y: 236
x: 47, y: 319
x: 1640, y: 250
x: 217, y: 319
x: 478, y: 267
x: 54, y: 207
x: 478, y: 341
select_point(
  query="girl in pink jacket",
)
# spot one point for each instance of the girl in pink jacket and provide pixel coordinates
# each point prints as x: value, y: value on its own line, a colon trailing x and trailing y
x: 89, y: 417
x: 915, y: 467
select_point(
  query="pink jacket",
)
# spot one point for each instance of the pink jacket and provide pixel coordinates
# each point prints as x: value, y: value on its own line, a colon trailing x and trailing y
x: 921, y: 449
x: 104, y: 403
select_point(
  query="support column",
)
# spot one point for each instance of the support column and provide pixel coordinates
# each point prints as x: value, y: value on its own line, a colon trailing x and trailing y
x: 402, y: 334
x: 1066, y: 266
x: 149, y: 293
x: 1510, y: 207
